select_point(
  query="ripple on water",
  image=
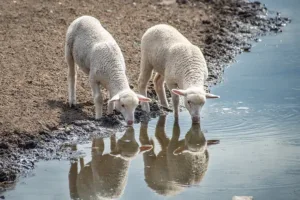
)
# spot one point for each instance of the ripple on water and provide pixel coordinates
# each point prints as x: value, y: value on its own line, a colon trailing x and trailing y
x: 245, y: 123
x: 242, y: 108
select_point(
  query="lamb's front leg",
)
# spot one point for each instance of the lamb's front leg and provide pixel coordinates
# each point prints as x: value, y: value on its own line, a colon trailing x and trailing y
x: 98, y: 100
x: 144, y: 77
x: 160, y: 89
x: 110, y: 105
x: 175, y: 99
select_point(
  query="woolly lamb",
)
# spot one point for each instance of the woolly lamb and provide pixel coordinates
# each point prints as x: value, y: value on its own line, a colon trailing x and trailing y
x: 96, y: 52
x: 177, y: 62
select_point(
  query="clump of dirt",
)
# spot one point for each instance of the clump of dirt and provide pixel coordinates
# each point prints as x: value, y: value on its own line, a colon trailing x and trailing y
x: 35, y: 120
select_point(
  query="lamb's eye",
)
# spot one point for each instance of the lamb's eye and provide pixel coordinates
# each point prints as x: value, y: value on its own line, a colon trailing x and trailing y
x: 189, y: 102
x: 123, y: 105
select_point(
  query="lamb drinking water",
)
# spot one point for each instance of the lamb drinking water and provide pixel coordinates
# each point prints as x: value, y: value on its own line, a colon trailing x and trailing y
x: 177, y: 62
x: 96, y: 52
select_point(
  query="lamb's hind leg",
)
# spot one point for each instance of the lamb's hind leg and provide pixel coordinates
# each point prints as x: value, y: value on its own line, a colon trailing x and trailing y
x: 145, y: 75
x: 72, y: 77
x: 160, y: 89
x: 98, y: 100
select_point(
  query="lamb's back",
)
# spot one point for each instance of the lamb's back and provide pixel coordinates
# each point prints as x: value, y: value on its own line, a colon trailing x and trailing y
x: 157, y: 43
x: 82, y: 35
x: 163, y: 36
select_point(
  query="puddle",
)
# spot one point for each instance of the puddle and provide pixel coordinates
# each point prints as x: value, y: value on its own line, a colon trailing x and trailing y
x: 257, y: 121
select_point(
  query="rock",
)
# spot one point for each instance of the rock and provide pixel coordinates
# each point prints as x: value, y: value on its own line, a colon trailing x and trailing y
x: 206, y: 22
x: 30, y: 144
x: 3, y: 146
x: 246, y: 48
x: 257, y: 40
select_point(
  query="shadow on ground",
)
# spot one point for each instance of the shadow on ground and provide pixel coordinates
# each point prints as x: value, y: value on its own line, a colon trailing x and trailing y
x: 69, y: 114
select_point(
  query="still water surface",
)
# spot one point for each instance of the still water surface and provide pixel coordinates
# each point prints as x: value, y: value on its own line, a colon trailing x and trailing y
x: 257, y: 121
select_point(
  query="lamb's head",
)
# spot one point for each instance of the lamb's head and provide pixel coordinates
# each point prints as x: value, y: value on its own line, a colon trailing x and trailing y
x: 126, y: 102
x: 127, y: 146
x: 194, y: 99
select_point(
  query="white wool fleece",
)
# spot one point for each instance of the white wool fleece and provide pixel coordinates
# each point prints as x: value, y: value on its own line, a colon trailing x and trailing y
x: 177, y: 62
x: 96, y: 52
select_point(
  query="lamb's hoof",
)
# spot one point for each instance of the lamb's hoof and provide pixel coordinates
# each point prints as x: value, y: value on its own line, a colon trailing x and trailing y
x: 146, y: 110
x: 97, y: 118
x: 145, y: 107
x: 72, y: 105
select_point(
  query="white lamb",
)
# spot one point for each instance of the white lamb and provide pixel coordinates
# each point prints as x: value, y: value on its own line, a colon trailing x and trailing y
x: 96, y: 52
x: 177, y: 62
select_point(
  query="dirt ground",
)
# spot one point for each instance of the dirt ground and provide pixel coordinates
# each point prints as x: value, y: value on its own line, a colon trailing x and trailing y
x: 33, y: 73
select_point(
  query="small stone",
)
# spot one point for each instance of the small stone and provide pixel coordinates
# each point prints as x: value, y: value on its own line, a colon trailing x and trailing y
x: 246, y: 48
x: 30, y: 144
x: 206, y: 22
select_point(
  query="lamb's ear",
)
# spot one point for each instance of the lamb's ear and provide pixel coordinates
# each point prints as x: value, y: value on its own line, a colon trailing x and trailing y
x: 211, y: 96
x: 179, y: 150
x: 146, y: 148
x: 143, y: 98
x: 115, y: 98
x: 179, y: 92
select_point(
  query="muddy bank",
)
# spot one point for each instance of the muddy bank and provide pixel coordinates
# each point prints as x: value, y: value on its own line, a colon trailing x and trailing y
x: 20, y: 151
x: 222, y: 29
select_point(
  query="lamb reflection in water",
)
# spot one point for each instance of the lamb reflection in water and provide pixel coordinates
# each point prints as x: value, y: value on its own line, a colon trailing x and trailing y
x: 180, y: 163
x: 105, y: 176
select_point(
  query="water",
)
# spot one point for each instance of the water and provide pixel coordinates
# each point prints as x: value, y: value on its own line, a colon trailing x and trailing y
x: 256, y: 120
